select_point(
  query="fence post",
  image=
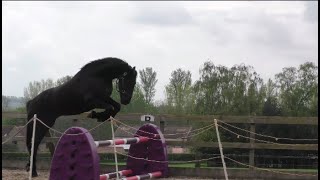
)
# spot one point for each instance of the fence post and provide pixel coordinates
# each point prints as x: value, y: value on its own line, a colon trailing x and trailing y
x: 221, y: 151
x: 197, y: 157
x: 32, y: 147
x: 252, y: 141
x: 162, y: 124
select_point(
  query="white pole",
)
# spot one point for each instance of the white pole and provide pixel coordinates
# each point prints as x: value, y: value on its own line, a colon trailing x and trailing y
x: 221, y: 152
x: 32, y: 147
x: 114, y: 149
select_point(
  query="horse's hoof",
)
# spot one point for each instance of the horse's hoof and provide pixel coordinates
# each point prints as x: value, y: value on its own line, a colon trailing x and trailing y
x: 34, y: 174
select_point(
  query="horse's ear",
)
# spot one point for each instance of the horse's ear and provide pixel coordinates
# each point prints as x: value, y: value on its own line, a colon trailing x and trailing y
x: 134, y: 68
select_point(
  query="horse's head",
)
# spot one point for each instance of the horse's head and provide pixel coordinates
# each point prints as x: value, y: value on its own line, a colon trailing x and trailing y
x: 126, y: 83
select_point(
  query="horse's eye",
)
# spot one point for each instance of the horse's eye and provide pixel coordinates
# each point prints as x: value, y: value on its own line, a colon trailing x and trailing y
x: 125, y: 73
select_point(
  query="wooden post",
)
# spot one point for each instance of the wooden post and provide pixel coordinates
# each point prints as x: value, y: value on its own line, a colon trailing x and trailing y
x: 197, y: 157
x: 251, y: 152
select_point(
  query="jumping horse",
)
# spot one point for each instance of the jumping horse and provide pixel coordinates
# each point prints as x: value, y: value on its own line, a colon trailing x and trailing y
x: 90, y: 88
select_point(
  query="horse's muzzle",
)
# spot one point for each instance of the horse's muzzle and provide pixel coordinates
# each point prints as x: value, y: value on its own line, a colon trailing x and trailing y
x: 125, y: 100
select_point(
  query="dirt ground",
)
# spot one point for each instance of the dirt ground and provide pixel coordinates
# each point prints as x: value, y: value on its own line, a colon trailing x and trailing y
x: 20, y: 174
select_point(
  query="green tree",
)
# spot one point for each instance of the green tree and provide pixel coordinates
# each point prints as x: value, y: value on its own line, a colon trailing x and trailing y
x: 178, y: 90
x: 298, y: 90
x: 137, y: 104
x: 271, y: 106
x: 148, y: 81
x: 5, y: 103
x: 62, y: 80
x: 36, y: 87
x: 235, y: 91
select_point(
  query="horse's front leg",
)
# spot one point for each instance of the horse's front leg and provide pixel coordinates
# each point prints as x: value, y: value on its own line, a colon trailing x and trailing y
x: 111, y: 109
x: 101, y: 116
x: 116, y: 106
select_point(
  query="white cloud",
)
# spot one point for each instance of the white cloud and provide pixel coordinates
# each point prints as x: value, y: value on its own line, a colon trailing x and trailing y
x: 12, y: 69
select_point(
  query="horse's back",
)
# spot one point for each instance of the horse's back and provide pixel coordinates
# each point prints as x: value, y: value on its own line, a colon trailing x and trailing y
x: 74, y: 96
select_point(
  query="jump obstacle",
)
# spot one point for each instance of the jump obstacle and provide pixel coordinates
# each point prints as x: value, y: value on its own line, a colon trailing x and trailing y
x: 76, y: 156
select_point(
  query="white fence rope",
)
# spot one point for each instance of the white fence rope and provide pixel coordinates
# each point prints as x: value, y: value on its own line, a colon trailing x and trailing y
x: 274, y: 171
x: 180, y: 162
x: 205, y: 127
x: 246, y: 137
x: 191, y: 135
x: 62, y: 133
x: 276, y: 138
x: 9, y: 138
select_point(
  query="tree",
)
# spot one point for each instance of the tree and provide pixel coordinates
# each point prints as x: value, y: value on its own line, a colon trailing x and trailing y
x: 235, y: 91
x: 5, y: 102
x: 178, y: 90
x: 137, y: 104
x: 298, y: 89
x: 36, y: 87
x: 271, y: 106
x: 62, y: 80
x: 148, y: 80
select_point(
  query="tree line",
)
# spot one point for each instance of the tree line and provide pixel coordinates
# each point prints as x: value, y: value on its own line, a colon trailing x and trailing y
x: 220, y: 90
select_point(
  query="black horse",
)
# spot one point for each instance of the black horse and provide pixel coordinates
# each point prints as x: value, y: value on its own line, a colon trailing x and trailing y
x: 90, y: 88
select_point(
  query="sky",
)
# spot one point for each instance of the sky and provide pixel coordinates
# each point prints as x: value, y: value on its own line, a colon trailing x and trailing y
x: 50, y: 39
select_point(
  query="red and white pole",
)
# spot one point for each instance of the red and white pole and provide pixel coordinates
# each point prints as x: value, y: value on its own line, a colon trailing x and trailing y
x: 114, y: 174
x: 144, y: 176
x: 122, y: 141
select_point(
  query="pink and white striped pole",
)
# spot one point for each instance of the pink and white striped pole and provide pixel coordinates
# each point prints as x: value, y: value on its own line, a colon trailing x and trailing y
x: 144, y: 176
x: 122, y: 141
x: 114, y: 174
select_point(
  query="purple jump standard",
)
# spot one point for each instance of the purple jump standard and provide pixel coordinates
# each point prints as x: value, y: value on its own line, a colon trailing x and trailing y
x: 76, y: 156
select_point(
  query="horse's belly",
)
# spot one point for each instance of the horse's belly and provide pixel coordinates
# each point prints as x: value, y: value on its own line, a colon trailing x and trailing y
x: 73, y: 107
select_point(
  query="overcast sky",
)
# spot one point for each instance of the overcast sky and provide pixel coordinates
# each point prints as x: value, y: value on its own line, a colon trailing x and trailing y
x: 53, y: 39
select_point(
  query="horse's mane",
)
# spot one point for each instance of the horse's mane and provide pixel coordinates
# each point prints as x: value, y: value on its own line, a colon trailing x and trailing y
x: 108, y: 61
x: 101, y: 66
